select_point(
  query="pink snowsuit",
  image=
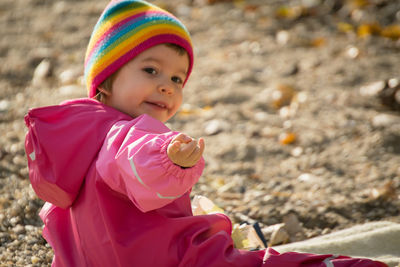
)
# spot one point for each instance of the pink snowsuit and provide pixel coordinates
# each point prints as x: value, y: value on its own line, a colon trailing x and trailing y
x: 115, y: 199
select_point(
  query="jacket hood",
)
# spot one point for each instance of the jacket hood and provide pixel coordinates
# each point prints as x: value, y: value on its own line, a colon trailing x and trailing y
x: 62, y: 142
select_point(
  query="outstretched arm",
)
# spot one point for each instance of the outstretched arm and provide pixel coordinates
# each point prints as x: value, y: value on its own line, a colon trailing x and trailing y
x: 147, y: 166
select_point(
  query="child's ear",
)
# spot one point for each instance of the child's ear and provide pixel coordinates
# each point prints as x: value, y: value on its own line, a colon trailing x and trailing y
x: 104, y: 91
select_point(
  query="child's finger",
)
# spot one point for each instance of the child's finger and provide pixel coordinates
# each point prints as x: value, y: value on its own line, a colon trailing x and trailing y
x: 182, y: 138
x: 174, y: 147
x: 201, y: 145
x: 197, y: 151
x: 199, y: 148
x: 187, y: 149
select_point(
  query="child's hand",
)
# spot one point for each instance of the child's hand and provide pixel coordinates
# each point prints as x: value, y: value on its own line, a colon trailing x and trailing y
x: 185, y: 151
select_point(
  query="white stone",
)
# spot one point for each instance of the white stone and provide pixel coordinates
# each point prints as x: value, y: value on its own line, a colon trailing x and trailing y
x: 69, y: 76
x: 215, y: 126
x: 282, y: 37
x: 42, y: 70
x: 4, y: 105
x: 352, y: 52
x: 372, y: 89
x: 297, y: 151
x: 307, y: 177
x: 70, y: 89
x: 385, y: 120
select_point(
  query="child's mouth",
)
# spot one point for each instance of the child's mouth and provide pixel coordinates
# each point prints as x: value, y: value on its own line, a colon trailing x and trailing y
x: 158, y: 105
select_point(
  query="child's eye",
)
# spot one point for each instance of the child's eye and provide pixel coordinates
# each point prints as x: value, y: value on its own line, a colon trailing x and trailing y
x: 177, y: 80
x: 150, y: 70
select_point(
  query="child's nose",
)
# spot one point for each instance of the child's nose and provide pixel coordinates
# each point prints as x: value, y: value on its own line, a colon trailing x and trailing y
x: 166, y: 88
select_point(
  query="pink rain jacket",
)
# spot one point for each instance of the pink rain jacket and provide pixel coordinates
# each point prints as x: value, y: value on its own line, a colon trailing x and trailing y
x: 115, y: 199
x: 113, y: 196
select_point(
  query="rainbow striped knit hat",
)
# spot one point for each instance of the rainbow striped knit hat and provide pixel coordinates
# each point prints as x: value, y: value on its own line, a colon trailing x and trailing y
x: 125, y: 29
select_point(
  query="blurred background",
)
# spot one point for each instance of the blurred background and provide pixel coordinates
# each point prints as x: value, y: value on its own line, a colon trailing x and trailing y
x: 298, y: 101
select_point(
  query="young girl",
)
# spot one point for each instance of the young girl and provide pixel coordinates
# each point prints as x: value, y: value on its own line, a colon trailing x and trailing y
x: 115, y: 178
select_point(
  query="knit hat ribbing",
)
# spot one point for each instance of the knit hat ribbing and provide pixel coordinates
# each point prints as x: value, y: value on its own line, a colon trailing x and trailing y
x: 125, y: 29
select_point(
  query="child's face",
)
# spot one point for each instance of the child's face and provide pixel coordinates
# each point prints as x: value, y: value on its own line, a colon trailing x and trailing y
x: 151, y: 83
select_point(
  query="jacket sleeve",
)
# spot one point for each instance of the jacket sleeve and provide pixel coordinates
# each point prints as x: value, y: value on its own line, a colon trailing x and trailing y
x: 134, y: 162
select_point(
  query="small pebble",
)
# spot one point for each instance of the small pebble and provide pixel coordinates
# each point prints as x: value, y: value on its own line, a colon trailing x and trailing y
x: 35, y: 259
x: 352, y: 52
x: 282, y: 37
x: 69, y: 76
x: 4, y: 105
x: 385, y: 120
x: 19, y: 229
x: 41, y: 72
x: 214, y: 127
x: 372, y: 89
x: 297, y: 151
x: 308, y: 178
x: 70, y: 90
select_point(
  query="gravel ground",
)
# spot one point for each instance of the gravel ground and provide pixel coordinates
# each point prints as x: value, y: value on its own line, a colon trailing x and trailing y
x: 296, y: 101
